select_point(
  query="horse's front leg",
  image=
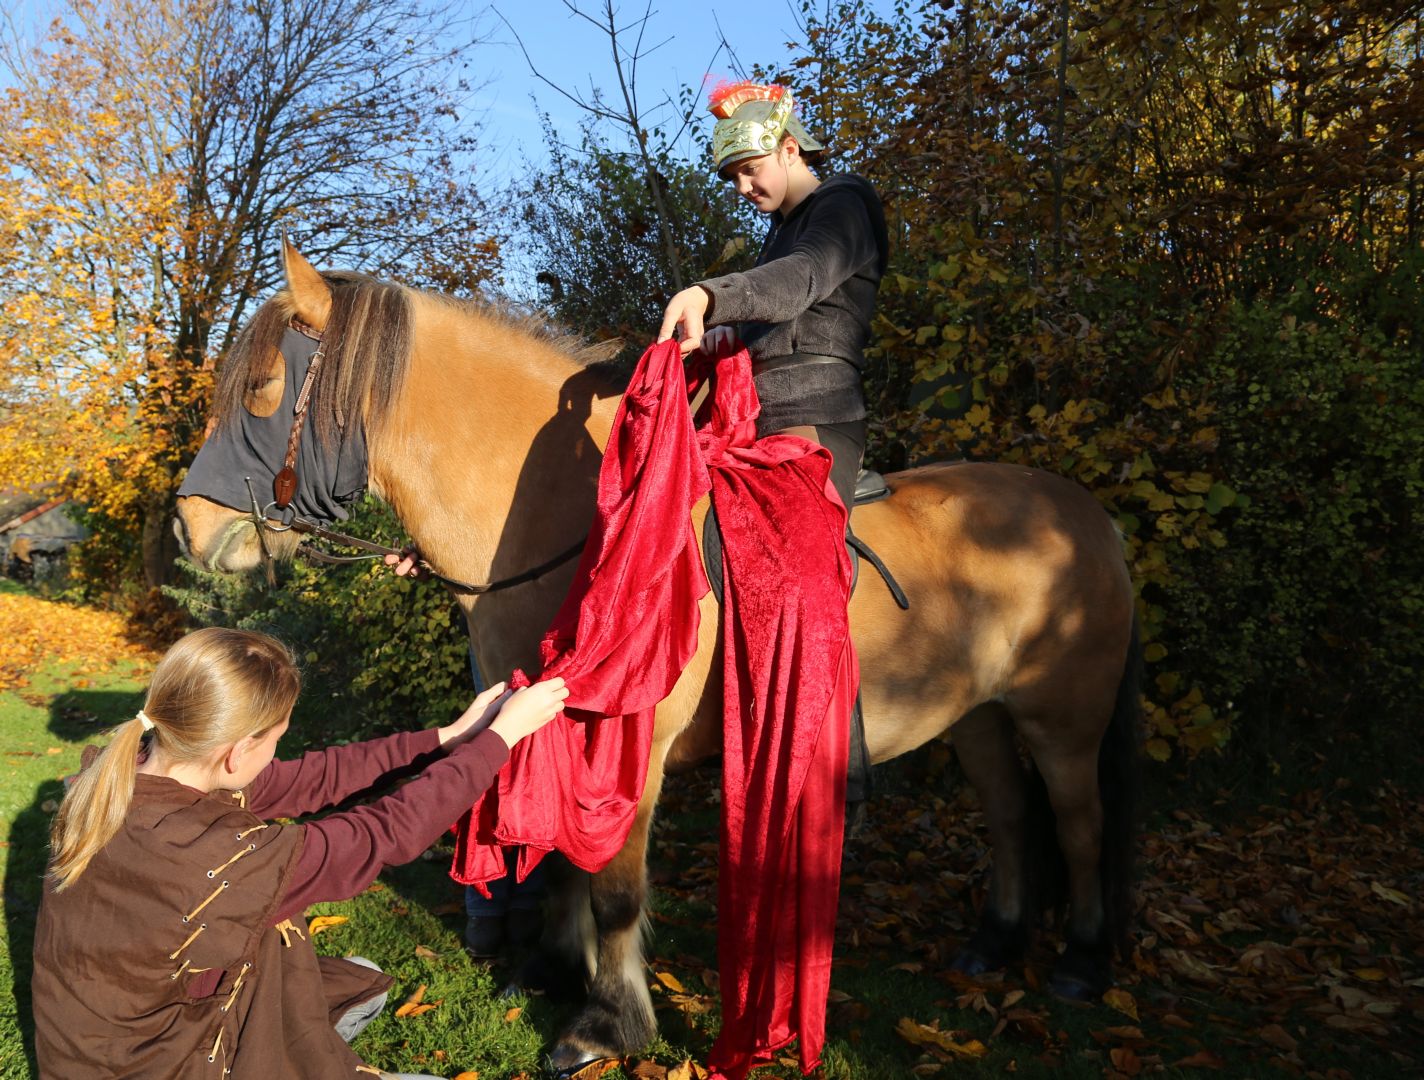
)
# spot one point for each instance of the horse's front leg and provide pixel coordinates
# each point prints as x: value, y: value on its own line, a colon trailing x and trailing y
x: 617, y: 1018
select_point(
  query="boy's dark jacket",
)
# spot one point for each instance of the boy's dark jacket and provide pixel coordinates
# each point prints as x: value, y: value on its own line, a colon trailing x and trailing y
x: 241, y: 999
x: 813, y: 288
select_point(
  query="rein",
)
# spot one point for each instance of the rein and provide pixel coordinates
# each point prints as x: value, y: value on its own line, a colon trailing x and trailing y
x: 284, y: 489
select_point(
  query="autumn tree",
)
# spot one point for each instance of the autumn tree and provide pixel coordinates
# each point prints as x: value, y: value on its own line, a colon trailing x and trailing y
x: 153, y: 154
x: 625, y: 212
x: 1172, y: 252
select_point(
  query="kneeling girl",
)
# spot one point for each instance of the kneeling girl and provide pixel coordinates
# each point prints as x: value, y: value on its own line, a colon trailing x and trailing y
x: 170, y: 941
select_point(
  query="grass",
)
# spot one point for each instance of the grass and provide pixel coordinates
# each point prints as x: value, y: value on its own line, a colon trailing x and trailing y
x: 909, y: 892
x: 43, y: 728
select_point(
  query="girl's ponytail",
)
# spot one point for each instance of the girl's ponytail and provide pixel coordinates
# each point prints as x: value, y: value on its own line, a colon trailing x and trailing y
x: 95, y: 805
x: 214, y: 687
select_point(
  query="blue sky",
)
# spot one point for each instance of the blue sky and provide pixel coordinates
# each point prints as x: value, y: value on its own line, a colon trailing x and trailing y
x: 577, y: 56
x: 679, y: 40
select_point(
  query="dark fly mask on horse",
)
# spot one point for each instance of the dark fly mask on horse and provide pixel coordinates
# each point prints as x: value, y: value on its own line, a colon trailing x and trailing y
x: 245, y: 445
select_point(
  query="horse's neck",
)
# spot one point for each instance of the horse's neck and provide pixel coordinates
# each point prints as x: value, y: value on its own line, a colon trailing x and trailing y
x: 490, y: 458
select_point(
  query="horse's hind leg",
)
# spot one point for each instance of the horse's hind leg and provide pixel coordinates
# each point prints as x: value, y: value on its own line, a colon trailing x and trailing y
x: 1087, y: 757
x: 617, y: 1018
x: 984, y: 741
x: 1084, y: 970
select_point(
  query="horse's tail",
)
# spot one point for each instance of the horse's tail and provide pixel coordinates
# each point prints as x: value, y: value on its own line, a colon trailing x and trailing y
x: 1119, y: 775
x: 1118, y: 781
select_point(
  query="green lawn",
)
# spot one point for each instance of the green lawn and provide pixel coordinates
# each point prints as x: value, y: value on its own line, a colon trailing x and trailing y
x: 1206, y: 1007
x: 43, y: 728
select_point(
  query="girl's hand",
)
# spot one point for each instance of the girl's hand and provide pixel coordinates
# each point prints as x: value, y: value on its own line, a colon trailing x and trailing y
x: 529, y: 709
x: 685, y: 311
x: 720, y: 341
x: 477, y: 717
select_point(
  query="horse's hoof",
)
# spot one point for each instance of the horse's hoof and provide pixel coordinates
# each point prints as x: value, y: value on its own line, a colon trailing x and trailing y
x: 993, y: 947
x: 973, y: 962
x: 1083, y: 972
x: 570, y: 1063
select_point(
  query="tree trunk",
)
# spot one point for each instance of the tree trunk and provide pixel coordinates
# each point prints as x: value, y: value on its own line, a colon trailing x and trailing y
x: 159, y: 544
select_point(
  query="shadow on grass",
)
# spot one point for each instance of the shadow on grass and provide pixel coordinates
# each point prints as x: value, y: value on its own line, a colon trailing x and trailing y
x: 24, y: 881
x: 80, y: 716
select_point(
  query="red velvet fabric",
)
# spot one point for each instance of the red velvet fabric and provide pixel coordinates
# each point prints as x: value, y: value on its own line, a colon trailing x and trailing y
x: 790, y: 683
x: 622, y: 637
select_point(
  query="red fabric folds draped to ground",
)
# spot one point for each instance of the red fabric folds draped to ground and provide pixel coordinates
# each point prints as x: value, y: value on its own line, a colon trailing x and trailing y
x: 621, y: 639
x: 791, y: 679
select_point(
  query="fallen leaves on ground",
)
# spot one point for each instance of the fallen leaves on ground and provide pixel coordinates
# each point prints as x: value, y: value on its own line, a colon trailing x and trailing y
x: 929, y: 1035
x: 595, y: 1069
x: 40, y: 632
x: 416, y: 1005
x: 1283, y: 934
x: 325, y: 922
x: 1122, y: 1001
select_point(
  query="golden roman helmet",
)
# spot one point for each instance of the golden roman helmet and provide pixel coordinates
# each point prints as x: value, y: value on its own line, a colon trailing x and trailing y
x: 751, y: 120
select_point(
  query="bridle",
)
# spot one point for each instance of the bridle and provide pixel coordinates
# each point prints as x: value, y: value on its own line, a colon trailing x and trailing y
x: 284, y: 490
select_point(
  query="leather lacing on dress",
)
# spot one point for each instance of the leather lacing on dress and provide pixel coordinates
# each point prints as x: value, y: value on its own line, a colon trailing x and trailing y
x: 186, y: 966
x: 287, y: 928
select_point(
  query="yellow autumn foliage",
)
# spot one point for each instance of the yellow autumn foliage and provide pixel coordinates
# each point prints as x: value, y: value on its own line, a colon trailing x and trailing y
x: 39, y: 633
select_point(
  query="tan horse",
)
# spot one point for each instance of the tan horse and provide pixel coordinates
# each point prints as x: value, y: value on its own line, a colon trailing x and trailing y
x: 484, y: 435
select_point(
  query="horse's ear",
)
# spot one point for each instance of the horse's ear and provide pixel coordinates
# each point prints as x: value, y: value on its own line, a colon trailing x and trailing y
x: 310, y: 293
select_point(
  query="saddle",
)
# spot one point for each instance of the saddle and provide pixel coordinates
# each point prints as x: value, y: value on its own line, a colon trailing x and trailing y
x: 870, y: 487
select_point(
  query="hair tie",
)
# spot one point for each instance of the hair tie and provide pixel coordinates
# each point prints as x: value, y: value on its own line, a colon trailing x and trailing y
x: 145, y: 721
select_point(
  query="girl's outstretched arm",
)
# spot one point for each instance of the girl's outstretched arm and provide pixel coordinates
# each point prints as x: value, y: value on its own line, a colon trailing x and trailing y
x: 343, y: 853
x: 324, y: 778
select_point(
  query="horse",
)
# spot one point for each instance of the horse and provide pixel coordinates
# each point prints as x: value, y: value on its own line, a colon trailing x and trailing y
x: 483, y: 431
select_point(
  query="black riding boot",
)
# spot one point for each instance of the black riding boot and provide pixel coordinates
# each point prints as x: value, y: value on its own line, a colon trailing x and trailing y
x: 860, y: 783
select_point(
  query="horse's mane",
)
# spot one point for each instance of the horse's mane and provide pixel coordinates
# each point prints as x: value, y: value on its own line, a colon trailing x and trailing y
x: 368, y: 345
x: 536, y: 325
x: 367, y: 340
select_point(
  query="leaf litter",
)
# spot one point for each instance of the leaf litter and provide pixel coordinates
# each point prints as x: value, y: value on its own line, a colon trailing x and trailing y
x: 40, y: 632
x: 1288, y: 935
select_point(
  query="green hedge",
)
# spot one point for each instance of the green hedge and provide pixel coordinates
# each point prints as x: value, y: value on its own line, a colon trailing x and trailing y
x: 1308, y: 620
x: 379, y: 652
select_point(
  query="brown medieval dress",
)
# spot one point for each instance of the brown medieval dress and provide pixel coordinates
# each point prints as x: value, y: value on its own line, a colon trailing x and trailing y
x: 174, y: 954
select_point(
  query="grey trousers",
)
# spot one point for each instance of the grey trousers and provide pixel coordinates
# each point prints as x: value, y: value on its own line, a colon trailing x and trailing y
x: 354, y: 1020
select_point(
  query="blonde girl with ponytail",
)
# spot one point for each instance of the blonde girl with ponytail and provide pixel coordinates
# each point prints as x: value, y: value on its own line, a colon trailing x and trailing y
x: 170, y: 940
x: 215, y: 689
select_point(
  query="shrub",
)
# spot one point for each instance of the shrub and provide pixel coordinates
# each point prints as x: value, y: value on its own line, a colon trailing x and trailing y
x: 391, y: 651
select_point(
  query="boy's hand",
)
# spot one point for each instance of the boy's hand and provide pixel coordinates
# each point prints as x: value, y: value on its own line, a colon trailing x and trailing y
x: 685, y: 312
x: 720, y: 341
x: 529, y: 709
x: 477, y: 717
x: 407, y: 563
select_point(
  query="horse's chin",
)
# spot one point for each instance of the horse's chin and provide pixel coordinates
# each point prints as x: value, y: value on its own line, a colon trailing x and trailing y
x: 223, y: 540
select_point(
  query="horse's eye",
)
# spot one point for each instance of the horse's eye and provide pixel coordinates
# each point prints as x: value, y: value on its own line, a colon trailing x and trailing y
x: 263, y: 400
